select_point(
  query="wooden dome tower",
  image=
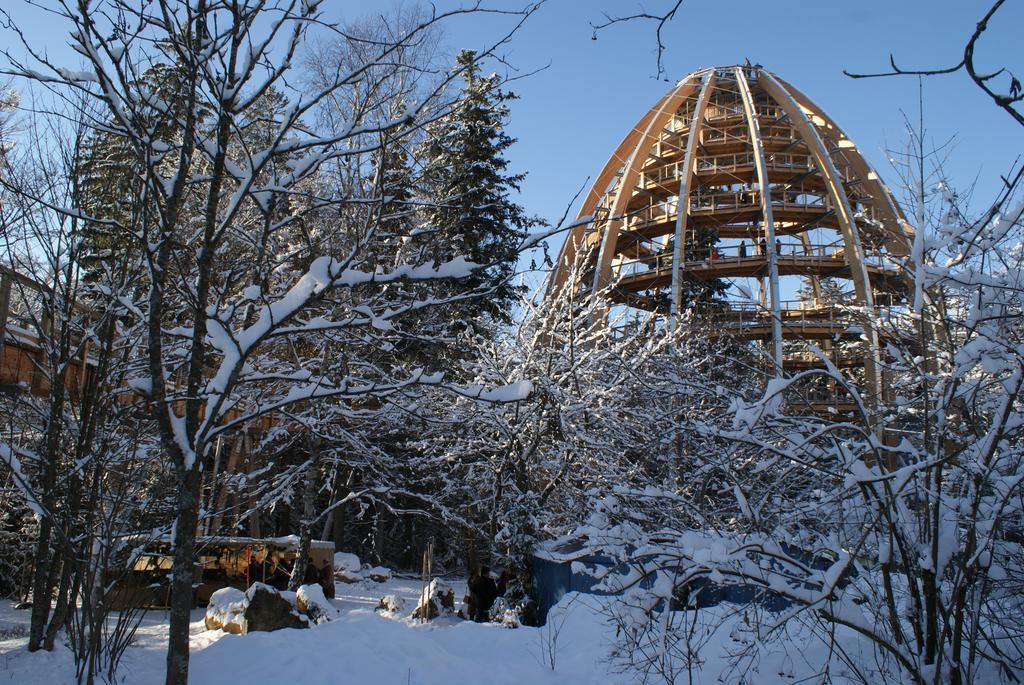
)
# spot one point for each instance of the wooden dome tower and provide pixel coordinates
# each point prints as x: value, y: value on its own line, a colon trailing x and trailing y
x: 736, y: 196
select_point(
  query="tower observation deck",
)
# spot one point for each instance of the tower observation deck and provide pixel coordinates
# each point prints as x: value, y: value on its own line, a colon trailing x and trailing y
x: 736, y: 197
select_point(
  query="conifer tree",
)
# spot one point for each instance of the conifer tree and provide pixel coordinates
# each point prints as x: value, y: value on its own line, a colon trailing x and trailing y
x: 395, y: 186
x: 468, y: 188
x: 111, y: 178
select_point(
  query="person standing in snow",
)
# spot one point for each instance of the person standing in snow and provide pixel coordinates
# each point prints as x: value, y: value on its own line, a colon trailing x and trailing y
x: 311, y: 573
x: 327, y: 579
x: 257, y: 570
x: 482, y: 593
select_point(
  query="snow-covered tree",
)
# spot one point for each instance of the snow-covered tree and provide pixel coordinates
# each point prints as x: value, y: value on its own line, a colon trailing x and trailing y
x: 601, y: 419
x: 78, y: 447
x: 467, y: 183
x: 235, y: 325
x: 898, y: 525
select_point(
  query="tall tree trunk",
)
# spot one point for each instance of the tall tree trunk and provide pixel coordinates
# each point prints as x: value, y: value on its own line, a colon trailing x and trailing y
x: 69, y: 567
x: 182, y: 575
x: 409, y: 557
x: 338, y: 525
x: 308, y: 512
x: 220, y: 501
x: 44, y: 577
x: 378, y: 533
x: 340, y: 516
x: 40, y: 589
x: 60, y: 611
x: 255, y: 529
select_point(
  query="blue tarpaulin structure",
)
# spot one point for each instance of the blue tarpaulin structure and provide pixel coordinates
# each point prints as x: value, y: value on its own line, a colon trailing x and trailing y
x: 558, y: 568
x: 568, y: 565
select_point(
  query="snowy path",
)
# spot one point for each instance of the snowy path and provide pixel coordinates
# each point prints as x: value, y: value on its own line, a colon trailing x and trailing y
x: 361, y: 647
x: 364, y: 647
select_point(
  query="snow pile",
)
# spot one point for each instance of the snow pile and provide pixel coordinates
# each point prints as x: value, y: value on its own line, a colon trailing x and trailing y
x: 310, y: 600
x: 225, y: 609
x: 391, y: 605
x: 347, y: 567
x: 437, y: 599
x: 379, y: 574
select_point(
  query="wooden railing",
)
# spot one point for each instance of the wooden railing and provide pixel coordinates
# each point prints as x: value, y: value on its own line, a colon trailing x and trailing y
x: 715, y: 113
x: 729, y: 163
x: 732, y: 255
x: 709, y: 136
x: 738, y: 200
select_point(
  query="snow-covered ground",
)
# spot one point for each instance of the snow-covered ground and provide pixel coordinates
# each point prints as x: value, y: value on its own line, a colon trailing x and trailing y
x: 364, y: 647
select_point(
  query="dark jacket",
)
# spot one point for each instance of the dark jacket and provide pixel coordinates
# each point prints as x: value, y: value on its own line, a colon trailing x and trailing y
x: 484, y: 590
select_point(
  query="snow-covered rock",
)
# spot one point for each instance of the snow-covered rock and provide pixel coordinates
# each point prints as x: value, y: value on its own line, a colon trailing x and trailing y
x: 310, y: 600
x: 225, y: 610
x: 391, y: 604
x: 260, y: 608
x: 438, y: 599
x: 379, y: 574
x: 347, y: 567
x: 346, y: 561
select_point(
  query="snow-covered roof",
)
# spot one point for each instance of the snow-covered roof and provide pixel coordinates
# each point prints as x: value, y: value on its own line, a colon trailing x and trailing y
x: 287, y: 542
x: 562, y: 549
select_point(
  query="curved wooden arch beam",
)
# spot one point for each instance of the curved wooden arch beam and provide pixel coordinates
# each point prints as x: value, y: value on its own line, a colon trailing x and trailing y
x: 567, y: 255
x: 624, y: 192
x: 897, y: 227
x: 902, y: 236
x: 854, y: 252
x: 766, y: 214
x: 683, y: 198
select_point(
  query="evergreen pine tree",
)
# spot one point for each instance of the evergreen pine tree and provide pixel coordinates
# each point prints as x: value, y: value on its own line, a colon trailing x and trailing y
x: 394, y: 183
x: 111, y: 175
x: 468, y: 189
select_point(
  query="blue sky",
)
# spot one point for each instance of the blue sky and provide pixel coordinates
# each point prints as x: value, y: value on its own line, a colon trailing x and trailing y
x: 572, y: 114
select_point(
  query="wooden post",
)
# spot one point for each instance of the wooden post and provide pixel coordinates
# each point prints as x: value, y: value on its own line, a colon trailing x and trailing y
x: 427, y: 572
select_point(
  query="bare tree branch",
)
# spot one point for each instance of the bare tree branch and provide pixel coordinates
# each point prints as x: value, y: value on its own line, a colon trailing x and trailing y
x: 661, y: 19
x: 981, y: 79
